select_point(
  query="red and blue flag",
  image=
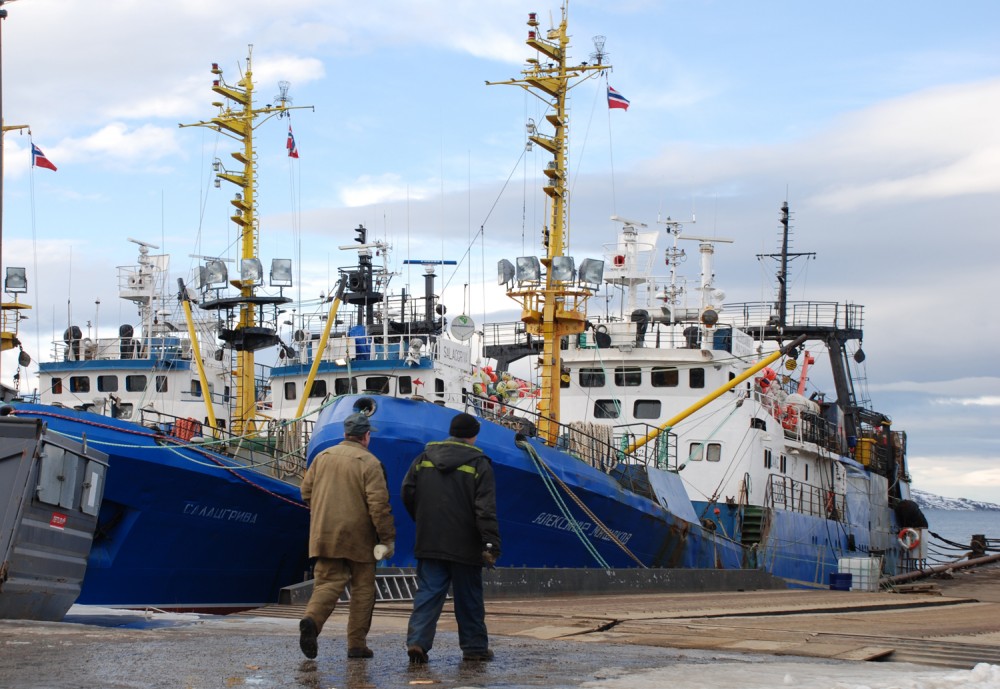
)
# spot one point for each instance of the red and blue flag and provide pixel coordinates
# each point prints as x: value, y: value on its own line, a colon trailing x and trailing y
x: 38, y: 158
x: 293, y: 152
x: 616, y: 100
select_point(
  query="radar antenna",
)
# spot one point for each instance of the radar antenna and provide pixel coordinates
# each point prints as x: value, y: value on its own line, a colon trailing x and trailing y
x: 283, y: 100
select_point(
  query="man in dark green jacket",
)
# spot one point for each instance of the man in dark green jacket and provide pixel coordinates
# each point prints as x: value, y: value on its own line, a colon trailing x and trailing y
x: 450, y: 493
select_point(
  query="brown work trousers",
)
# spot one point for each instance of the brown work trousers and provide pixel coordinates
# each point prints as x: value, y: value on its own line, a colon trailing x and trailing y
x: 330, y: 577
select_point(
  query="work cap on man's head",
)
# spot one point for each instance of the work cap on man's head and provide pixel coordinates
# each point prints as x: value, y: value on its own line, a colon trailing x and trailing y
x: 464, y: 426
x: 357, y: 425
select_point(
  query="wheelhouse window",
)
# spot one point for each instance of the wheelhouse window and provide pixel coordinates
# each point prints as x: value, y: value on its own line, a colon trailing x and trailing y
x: 591, y: 377
x: 439, y: 387
x: 767, y: 459
x: 290, y: 390
x: 378, y: 385
x: 628, y: 376
x: 665, y: 377
x: 107, y: 383
x: 57, y: 386
x: 711, y: 452
x: 607, y: 409
x: 161, y: 384
x: 341, y: 386
x: 783, y: 464
x: 318, y: 389
x: 404, y: 385
x: 646, y: 409
x: 79, y: 384
x: 696, y: 378
x: 196, y: 388
x: 135, y: 383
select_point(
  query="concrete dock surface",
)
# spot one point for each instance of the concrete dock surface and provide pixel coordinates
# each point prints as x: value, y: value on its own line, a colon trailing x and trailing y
x: 555, y: 641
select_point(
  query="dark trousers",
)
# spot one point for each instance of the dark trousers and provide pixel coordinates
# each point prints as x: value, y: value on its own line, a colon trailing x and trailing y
x: 433, y: 579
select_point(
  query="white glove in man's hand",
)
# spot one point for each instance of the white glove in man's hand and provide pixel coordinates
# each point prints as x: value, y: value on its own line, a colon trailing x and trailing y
x: 384, y: 550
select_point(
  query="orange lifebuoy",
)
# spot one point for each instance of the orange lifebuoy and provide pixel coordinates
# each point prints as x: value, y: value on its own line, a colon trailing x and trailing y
x: 909, y: 538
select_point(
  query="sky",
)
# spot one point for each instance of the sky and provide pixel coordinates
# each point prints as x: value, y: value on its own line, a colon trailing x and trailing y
x: 877, y: 122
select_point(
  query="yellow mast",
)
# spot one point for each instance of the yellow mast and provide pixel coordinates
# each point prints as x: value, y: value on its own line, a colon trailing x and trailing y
x: 236, y: 120
x: 558, y: 307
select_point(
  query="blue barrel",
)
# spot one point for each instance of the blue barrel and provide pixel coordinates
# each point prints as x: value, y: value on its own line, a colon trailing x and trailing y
x: 840, y: 581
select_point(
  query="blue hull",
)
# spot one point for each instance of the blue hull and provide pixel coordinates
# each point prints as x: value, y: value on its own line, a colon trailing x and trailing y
x: 184, y: 528
x: 535, y: 528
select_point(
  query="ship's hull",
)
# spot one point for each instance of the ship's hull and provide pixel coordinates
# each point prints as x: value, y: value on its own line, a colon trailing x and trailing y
x: 542, y: 524
x: 537, y: 516
x: 181, y: 527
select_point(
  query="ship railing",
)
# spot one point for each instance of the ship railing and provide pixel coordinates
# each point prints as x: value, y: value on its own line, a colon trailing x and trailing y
x: 802, y: 425
x: 786, y: 493
x: 602, y: 446
x: 369, y: 347
x: 277, y: 449
x: 799, y: 314
x: 119, y: 348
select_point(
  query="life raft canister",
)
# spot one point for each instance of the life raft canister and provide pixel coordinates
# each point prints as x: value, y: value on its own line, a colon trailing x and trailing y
x: 909, y: 538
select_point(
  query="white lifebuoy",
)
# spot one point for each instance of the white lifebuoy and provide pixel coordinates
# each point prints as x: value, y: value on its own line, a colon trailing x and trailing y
x: 909, y: 538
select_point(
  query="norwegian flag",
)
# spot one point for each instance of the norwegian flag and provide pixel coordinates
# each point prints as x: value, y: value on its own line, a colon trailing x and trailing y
x: 38, y: 159
x: 293, y: 152
x: 616, y: 100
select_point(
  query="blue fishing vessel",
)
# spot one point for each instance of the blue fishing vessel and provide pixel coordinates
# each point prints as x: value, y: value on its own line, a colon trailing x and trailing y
x: 202, y: 509
x: 675, y: 429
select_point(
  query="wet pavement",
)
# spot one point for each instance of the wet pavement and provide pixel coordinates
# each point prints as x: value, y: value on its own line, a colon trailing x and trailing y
x: 557, y: 642
x: 192, y: 652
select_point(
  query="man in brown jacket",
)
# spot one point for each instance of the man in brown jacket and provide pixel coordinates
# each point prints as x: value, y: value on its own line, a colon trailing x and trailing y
x: 350, y: 528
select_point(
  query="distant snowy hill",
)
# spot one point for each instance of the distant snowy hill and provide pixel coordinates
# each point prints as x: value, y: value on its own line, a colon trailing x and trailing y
x: 936, y: 502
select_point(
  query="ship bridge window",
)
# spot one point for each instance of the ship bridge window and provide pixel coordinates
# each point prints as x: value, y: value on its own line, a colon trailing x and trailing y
x: 665, y: 377
x: 711, y: 452
x: 342, y: 386
x: 57, y: 386
x: 696, y: 377
x: 196, y: 388
x: 628, y: 376
x: 290, y: 390
x: 439, y: 387
x: 591, y: 377
x: 404, y: 385
x: 767, y: 459
x: 107, y: 383
x: 758, y: 423
x: 135, y: 383
x: 607, y: 409
x: 646, y: 409
x: 161, y: 384
x: 377, y: 385
x: 79, y: 384
x: 318, y: 388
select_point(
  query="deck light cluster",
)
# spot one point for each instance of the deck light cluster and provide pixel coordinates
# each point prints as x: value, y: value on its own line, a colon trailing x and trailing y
x: 562, y: 269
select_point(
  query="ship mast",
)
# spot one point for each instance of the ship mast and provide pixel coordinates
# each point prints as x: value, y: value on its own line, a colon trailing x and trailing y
x: 553, y: 305
x: 236, y: 119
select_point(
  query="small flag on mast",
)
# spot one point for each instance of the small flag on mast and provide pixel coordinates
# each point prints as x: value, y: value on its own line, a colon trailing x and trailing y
x: 293, y: 152
x: 616, y: 100
x: 38, y: 158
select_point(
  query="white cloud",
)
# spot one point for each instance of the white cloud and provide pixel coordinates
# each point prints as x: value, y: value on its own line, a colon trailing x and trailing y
x: 971, y: 402
x: 369, y: 190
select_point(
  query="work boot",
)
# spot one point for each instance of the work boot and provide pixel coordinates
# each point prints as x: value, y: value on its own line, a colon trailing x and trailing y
x: 418, y: 656
x: 360, y: 652
x: 481, y: 656
x: 307, y: 637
